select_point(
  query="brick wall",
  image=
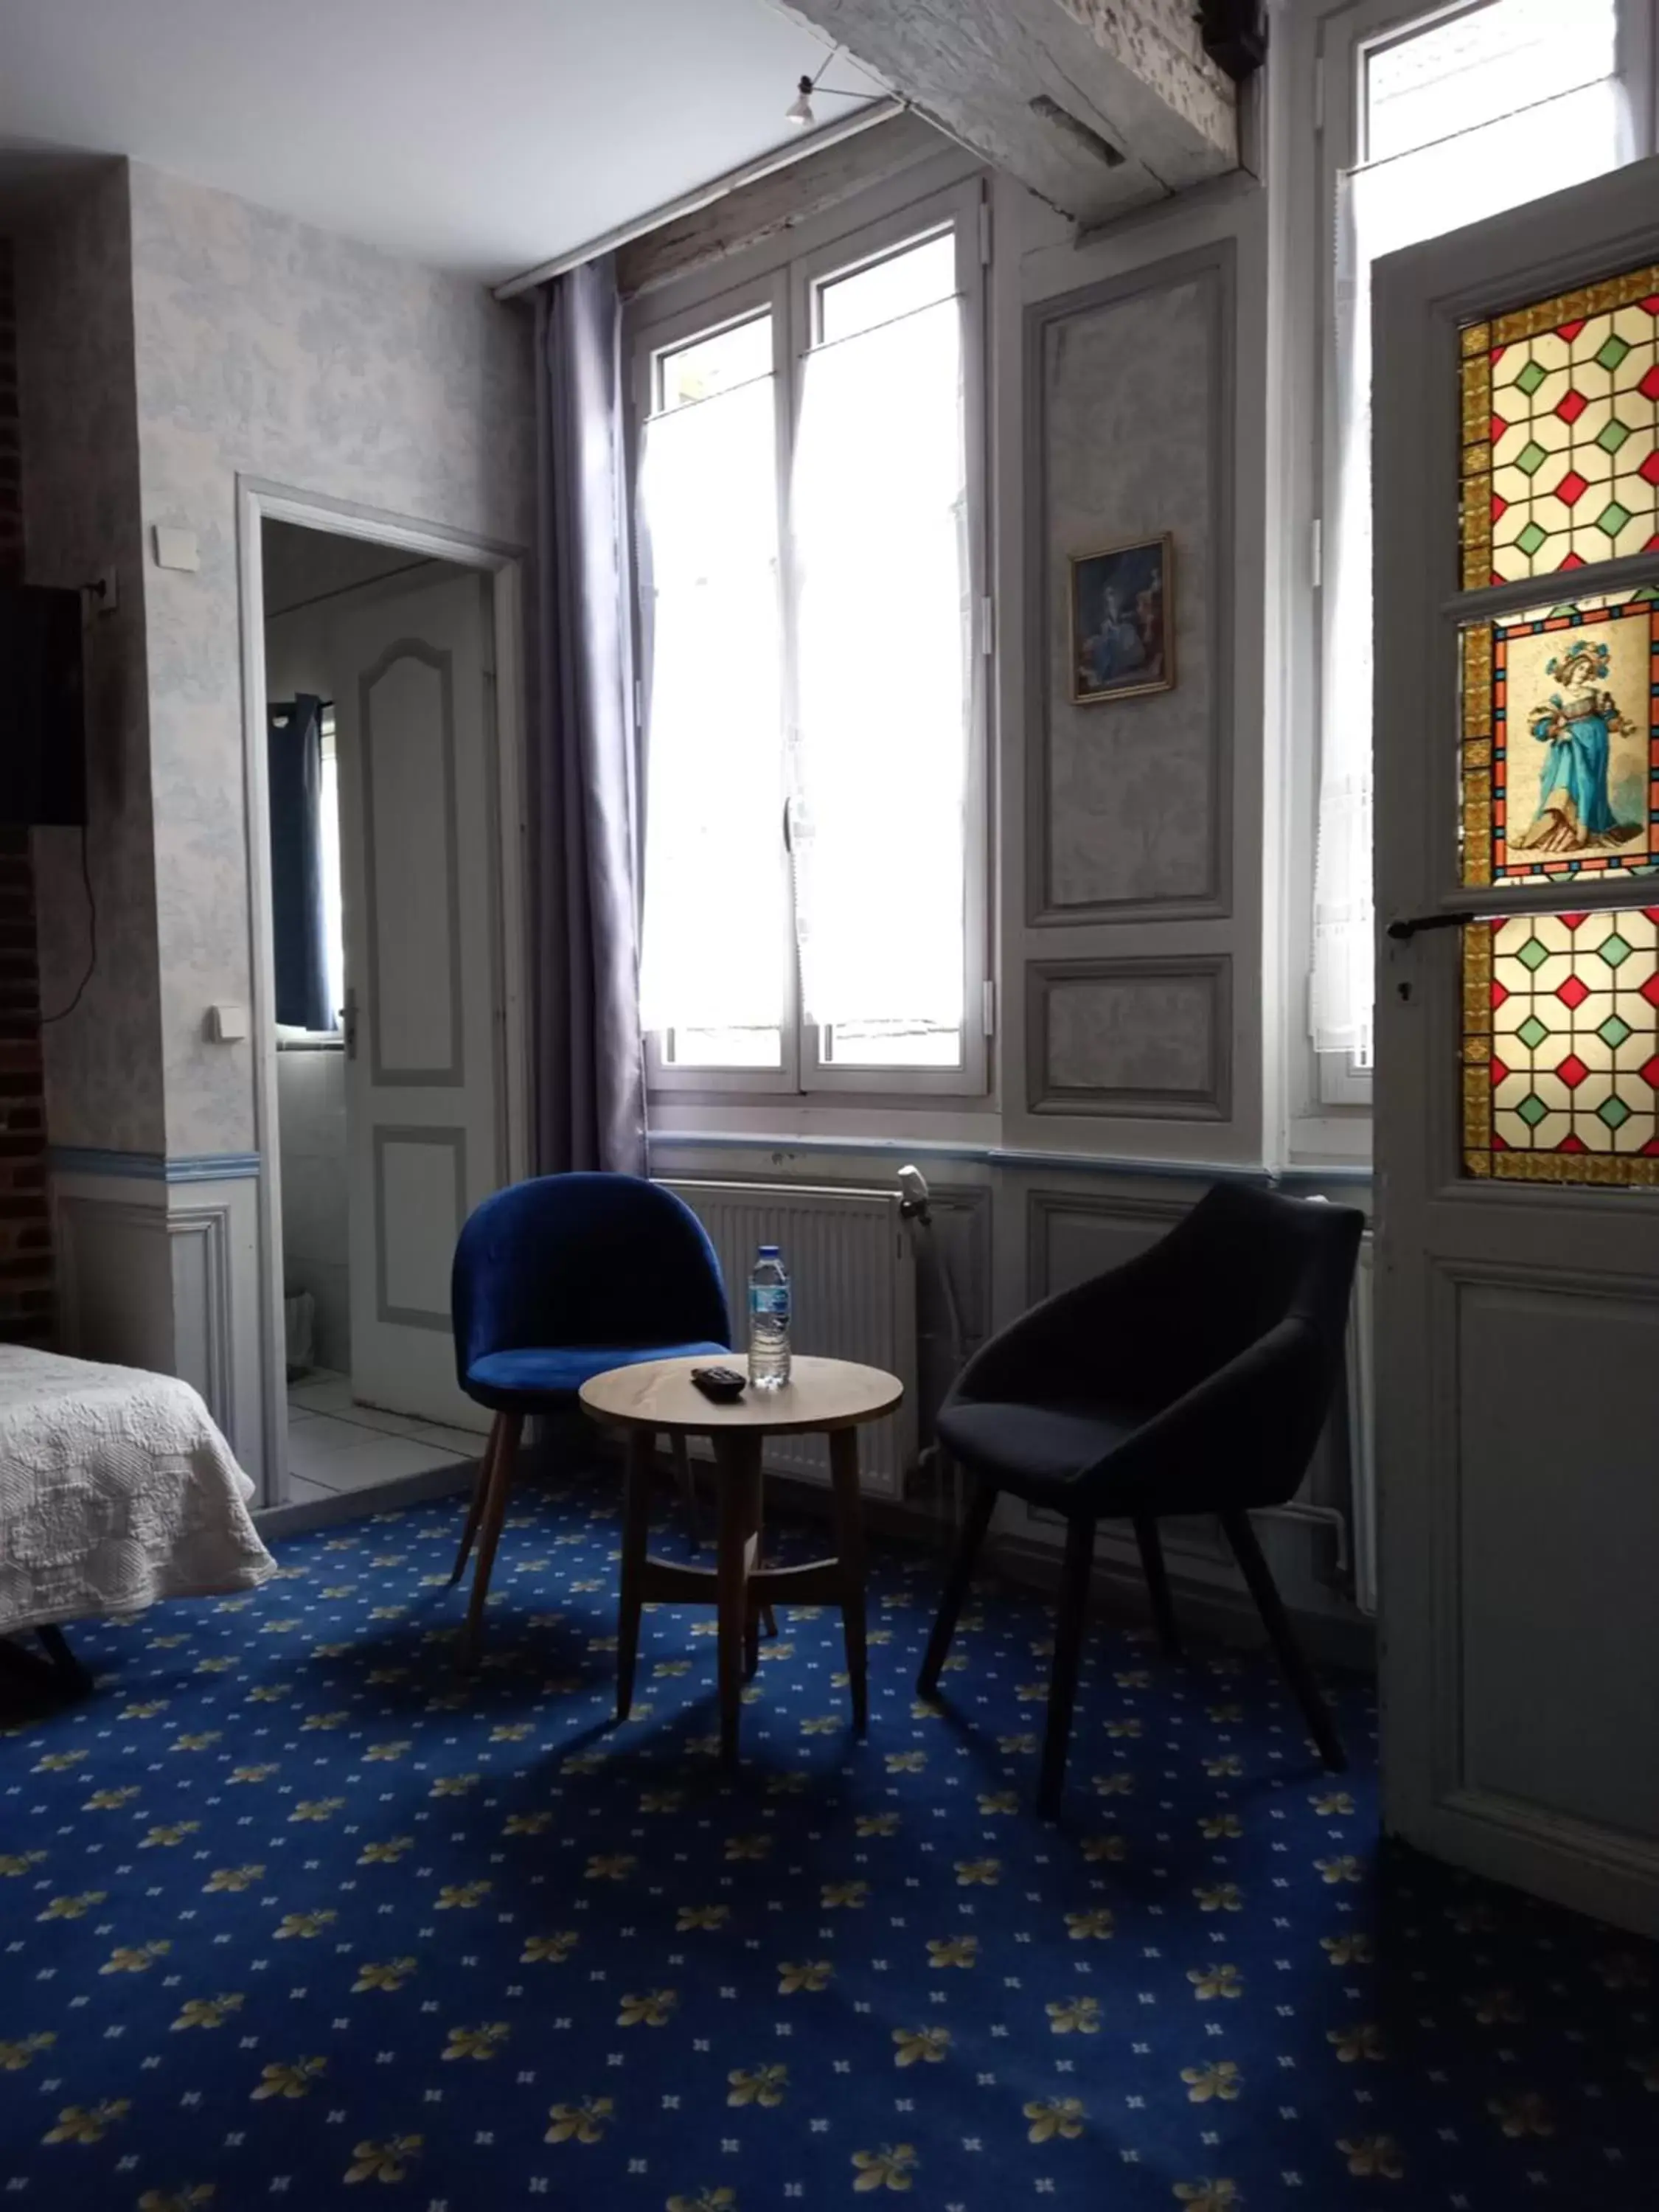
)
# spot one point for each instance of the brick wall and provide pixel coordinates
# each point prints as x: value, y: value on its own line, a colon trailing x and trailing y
x: 25, y: 1256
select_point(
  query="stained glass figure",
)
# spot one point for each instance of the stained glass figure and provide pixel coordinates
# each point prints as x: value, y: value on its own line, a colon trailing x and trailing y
x: 1561, y: 1047
x: 1560, y: 761
x: 1560, y: 429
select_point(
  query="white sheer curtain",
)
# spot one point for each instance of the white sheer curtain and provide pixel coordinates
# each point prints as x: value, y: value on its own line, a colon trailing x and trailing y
x: 881, y: 579
x: 716, y: 908
x: 1396, y: 202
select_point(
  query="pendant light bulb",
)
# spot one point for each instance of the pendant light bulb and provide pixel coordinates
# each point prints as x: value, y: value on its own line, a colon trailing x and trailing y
x: 799, y: 110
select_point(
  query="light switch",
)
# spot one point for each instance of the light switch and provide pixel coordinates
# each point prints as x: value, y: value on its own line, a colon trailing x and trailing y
x: 176, y: 548
x: 227, y: 1025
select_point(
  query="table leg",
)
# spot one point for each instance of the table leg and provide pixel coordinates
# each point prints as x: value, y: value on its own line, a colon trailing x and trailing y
x: 738, y: 1464
x: 753, y: 1608
x: 849, y: 1551
x: 677, y: 1445
x: 637, y: 1522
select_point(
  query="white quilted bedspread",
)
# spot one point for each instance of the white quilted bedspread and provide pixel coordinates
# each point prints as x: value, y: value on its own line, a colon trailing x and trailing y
x: 116, y: 1489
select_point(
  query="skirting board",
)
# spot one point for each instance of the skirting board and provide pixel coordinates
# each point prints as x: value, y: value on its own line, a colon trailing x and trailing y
x: 306, y: 1514
x: 1205, y: 1610
x: 1227, y: 1615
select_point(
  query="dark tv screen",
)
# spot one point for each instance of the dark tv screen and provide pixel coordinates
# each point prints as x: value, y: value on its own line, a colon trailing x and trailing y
x: 43, y: 750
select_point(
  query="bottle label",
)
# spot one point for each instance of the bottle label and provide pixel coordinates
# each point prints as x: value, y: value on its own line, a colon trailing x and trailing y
x: 770, y: 1302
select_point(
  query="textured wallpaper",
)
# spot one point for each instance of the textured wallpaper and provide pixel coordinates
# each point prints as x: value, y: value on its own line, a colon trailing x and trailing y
x: 266, y: 348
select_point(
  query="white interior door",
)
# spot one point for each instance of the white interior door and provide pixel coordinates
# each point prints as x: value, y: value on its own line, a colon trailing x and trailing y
x: 1517, y: 412
x: 424, y: 1087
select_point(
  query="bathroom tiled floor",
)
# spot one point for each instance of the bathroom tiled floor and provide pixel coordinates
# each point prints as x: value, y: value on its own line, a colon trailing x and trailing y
x: 335, y: 1446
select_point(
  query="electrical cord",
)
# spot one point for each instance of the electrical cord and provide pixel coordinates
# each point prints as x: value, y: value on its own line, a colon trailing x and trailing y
x: 64, y: 1012
x: 916, y: 1206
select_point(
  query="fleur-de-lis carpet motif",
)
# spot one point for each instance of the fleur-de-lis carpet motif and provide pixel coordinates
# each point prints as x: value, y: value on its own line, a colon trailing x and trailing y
x: 377, y: 1934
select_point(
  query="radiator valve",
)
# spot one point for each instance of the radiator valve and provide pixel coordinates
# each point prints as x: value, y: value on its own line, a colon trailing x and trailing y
x: 913, y: 1194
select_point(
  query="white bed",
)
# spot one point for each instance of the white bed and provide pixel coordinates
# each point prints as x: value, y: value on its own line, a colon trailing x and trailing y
x: 116, y: 1489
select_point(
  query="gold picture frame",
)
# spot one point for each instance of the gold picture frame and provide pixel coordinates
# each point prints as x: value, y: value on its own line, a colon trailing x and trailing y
x: 1120, y: 611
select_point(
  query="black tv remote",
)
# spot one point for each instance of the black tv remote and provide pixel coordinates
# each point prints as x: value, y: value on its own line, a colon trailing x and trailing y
x: 724, y: 1385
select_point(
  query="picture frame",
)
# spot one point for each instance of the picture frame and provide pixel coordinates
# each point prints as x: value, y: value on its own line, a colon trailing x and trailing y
x: 1121, y: 620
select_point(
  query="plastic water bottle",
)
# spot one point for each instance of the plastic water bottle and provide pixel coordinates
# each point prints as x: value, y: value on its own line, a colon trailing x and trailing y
x: 768, y: 1321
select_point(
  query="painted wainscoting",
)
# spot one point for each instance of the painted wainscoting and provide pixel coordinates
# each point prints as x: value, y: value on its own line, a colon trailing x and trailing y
x: 1014, y: 1227
x: 159, y: 1268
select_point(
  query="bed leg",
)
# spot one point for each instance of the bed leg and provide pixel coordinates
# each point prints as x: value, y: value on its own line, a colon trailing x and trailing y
x: 53, y: 1672
x: 65, y: 1665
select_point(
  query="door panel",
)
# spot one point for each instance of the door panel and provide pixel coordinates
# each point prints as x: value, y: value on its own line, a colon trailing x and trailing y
x: 413, y: 994
x: 424, y: 1083
x: 1516, y: 395
x: 420, y: 1201
x: 1558, y: 1526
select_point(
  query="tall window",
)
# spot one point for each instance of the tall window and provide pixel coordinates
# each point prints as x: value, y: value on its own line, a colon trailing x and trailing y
x: 813, y: 911
x: 1443, y: 120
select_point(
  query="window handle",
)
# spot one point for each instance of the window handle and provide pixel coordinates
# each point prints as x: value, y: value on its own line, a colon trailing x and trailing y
x: 1404, y: 927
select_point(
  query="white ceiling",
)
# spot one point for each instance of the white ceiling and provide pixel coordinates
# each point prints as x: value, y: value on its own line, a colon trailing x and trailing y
x: 476, y: 134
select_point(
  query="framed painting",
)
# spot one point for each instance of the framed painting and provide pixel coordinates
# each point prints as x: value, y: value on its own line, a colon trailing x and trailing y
x: 1122, y: 621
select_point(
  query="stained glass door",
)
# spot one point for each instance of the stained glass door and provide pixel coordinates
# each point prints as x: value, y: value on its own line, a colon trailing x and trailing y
x: 1516, y: 712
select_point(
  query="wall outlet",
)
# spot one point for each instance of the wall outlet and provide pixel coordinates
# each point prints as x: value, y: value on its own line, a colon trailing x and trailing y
x: 176, y: 548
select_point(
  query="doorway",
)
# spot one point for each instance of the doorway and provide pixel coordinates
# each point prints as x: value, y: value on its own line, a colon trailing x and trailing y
x: 384, y: 752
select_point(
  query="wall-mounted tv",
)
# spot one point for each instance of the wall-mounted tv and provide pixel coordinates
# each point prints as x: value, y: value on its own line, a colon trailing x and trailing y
x: 43, y: 747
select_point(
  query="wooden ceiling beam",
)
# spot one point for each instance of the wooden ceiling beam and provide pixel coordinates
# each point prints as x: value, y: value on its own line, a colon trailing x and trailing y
x: 1097, y: 106
x: 748, y: 217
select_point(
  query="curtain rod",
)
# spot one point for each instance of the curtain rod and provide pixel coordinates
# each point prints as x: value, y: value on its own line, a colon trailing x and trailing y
x: 765, y: 165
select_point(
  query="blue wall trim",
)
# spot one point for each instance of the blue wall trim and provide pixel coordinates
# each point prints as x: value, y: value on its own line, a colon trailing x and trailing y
x: 211, y: 1167
x: 1005, y: 1156
x: 154, y: 1167
x: 231, y: 1167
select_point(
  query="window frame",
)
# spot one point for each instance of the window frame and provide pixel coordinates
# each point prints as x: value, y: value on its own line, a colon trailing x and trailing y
x: 743, y: 302
x: 785, y: 283
x: 1344, y: 36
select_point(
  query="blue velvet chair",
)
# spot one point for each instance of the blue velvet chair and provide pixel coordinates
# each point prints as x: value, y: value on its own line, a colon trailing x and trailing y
x: 1195, y: 1379
x: 558, y: 1280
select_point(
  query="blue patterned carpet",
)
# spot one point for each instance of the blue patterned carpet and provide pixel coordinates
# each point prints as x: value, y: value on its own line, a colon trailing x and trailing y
x: 286, y: 1916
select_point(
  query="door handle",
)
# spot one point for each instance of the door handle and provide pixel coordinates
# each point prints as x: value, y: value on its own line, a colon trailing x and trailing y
x: 349, y: 1022
x: 1404, y: 927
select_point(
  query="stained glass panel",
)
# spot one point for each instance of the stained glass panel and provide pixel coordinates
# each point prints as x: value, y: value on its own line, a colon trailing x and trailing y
x: 1561, y: 1047
x: 1560, y: 763
x: 1561, y: 411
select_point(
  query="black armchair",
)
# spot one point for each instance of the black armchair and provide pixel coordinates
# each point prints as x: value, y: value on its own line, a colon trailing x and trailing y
x: 1195, y: 1379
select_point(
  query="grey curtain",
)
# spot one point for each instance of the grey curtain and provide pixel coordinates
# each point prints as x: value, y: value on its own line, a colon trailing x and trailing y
x: 590, y: 1086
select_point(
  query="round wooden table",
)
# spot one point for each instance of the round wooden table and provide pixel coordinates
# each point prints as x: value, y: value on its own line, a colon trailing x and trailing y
x: 659, y: 1397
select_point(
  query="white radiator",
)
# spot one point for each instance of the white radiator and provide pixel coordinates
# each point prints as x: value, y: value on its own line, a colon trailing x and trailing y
x: 852, y: 1273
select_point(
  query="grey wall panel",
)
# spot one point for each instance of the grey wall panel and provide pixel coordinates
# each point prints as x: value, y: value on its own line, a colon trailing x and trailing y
x: 1129, y: 432
x: 1148, y: 1038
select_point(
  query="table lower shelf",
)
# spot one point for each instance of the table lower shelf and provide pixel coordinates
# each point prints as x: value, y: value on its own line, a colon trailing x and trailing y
x: 670, y: 1582
x: 739, y: 1588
